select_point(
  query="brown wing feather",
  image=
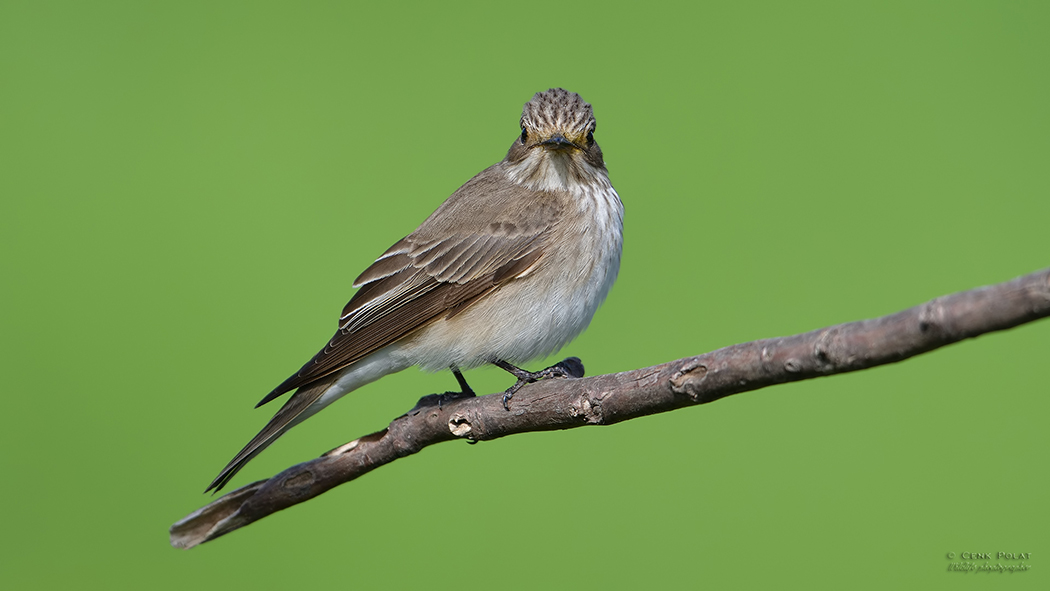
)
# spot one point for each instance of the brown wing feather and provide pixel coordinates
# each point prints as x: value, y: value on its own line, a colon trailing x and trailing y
x: 442, y: 278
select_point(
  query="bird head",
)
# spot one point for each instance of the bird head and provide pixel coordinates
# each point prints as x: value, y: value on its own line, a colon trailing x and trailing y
x: 556, y: 145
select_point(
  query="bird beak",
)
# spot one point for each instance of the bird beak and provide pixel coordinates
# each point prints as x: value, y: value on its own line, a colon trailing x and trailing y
x: 558, y: 142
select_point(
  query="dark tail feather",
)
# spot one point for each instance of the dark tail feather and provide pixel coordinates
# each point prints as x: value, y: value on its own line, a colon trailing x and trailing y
x: 281, y: 422
x: 285, y: 386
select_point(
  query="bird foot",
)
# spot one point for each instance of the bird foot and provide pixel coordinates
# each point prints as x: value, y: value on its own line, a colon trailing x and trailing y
x: 440, y: 400
x: 570, y: 367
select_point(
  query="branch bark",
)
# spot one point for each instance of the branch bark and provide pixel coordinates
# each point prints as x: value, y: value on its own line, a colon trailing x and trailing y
x: 611, y: 398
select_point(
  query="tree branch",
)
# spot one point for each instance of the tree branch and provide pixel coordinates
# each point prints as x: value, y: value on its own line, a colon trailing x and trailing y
x: 611, y: 398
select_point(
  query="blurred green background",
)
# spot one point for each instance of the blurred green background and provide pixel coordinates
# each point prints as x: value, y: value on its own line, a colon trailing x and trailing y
x: 189, y: 189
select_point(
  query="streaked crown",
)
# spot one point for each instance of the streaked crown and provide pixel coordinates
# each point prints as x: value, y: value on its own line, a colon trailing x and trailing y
x: 558, y: 111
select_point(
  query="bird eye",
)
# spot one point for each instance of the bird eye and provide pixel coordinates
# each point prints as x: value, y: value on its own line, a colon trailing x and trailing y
x: 590, y: 137
x: 524, y: 135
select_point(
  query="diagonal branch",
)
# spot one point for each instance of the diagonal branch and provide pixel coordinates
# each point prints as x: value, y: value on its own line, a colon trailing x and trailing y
x: 611, y: 398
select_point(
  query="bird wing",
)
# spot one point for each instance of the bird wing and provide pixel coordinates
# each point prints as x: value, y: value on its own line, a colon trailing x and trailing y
x: 414, y: 283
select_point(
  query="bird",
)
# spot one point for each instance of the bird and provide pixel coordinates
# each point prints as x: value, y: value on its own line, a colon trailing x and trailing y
x: 508, y: 269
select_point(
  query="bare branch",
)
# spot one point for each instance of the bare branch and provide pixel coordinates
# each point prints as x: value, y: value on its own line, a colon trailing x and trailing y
x: 611, y: 398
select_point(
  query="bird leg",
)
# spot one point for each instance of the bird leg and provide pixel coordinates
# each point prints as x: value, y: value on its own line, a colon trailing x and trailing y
x: 465, y: 391
x: 570, y: 367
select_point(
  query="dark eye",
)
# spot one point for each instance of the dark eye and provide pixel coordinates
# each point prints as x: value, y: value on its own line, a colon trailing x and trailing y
x: 590, y: 137
x: 524, y: 135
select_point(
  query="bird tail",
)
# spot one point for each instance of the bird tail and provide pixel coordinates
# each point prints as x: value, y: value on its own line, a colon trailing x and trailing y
x: 295, y: 411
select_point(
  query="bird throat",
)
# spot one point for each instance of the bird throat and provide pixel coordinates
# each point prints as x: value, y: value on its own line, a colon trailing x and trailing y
x: 557, y: 170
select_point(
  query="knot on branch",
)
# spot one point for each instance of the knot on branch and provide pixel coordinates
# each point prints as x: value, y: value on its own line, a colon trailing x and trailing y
x: 687, y: 379
x: 589, y: 408
x: 931, y: 320
x: 459, y: 425
x: 831, y: 352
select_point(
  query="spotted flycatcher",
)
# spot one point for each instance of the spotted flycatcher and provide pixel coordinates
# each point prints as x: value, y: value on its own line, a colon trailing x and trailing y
x: 510, y: 268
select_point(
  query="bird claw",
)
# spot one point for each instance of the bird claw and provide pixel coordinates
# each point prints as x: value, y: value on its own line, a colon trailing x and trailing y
x: 438, y: 400
x: 510, y: 392
x: 570, y: 367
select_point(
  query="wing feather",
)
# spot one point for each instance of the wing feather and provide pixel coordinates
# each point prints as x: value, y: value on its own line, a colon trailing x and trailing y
x: 414, y: 284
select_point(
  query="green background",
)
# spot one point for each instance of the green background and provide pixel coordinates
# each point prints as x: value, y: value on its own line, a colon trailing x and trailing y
x: 189, y: 189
